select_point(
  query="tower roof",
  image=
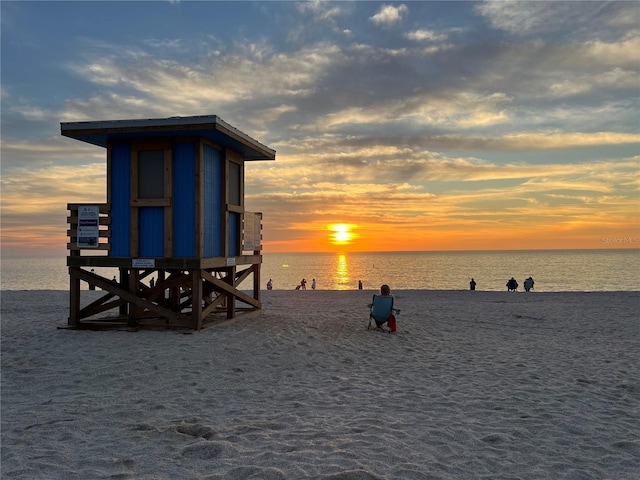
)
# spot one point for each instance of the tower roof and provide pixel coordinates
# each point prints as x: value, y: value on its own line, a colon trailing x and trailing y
x: 211, y: 127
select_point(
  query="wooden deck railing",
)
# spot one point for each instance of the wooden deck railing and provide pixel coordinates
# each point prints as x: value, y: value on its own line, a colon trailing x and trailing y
x: 104, y: 222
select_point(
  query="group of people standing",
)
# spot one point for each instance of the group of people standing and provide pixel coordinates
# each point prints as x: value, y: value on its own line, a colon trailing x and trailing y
x: 512, y: 284
x: 303, y: 284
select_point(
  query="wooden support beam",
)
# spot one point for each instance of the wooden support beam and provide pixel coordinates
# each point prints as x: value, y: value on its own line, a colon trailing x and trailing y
x: 104, y: 284
x: 124, y: 281
x: 230, y: 290
x: 196, y: 299
x: 231, y: 297
x: 256, y: 277
x: 193, y: 296
x: 133, y: 289
x: 74, y: 297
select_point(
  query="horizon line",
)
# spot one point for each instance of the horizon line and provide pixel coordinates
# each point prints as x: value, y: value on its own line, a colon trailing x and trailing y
x: 344, y: 252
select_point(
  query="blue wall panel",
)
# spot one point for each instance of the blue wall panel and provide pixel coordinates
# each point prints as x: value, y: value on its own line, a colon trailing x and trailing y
x: 213, y: 212
x: 184, y: 199
x: 120, y: 195
x: 151, y: 225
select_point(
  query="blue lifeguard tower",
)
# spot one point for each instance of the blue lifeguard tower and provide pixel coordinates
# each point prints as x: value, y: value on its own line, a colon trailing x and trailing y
x: 174, y: 224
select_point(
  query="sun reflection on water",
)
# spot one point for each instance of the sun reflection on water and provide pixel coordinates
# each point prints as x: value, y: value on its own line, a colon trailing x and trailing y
x: 341, y: 278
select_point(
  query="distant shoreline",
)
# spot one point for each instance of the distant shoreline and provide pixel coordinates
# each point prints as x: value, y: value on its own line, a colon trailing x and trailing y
x: 373, y: 291
x: 373, y: 252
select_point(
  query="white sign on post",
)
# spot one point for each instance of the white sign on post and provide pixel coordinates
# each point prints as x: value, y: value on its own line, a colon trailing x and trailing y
x: 252, y: 231
x: 88, y: 226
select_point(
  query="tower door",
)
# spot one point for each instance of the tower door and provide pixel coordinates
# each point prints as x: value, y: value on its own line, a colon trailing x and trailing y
x: 151, y: 195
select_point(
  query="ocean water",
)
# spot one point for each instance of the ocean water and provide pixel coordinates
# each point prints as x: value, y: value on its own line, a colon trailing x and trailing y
x: 552, y: 270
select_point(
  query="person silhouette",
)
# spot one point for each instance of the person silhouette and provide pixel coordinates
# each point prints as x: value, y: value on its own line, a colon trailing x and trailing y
x: 528, y: 284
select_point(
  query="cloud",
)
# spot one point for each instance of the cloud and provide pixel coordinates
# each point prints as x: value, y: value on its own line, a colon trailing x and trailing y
x: 448, y: 110
x: 617, y: 78
x: 323, y: 11
x: 607, y: 20
x: 389, y: 15
x: 316, y: 16
x: 44, y: 152
x: 525, y: 17
x: 41, y: 194
x: 394, y: 166
x: 540, y: 141
x: 161, y: 85
x: 620, y: 53
x: 165, y: 43
x: 425, y: 35
x: 32, y: 113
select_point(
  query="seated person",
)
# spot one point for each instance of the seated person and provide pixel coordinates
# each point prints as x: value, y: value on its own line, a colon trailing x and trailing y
x: 382, y: 310
x: 528, y: 284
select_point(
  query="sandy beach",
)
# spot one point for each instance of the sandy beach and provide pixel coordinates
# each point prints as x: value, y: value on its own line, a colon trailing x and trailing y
x: 474, y: 385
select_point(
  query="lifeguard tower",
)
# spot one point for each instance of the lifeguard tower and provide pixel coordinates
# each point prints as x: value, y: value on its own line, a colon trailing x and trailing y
x: 174, y: 225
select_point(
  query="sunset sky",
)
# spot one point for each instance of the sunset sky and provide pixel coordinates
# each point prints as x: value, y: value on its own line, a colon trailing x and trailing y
x: 396, y: 125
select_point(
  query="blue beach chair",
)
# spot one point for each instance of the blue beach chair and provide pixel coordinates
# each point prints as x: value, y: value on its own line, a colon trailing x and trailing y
x: 381, y: 309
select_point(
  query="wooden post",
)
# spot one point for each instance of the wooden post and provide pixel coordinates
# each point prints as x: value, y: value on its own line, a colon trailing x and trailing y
x: 231, y: 299
x: 74, y: 298
x: 74, y: 281
x: 124, y: 279
x: 256, y: 277
x: 174, y: 298
x: 133, y: 279
x: 196, y: 299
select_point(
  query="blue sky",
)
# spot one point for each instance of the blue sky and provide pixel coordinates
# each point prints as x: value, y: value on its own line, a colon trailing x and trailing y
x: 423, y: 125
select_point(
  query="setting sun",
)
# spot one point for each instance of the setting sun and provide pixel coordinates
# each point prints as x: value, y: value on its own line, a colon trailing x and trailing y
x: 340, y: 233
